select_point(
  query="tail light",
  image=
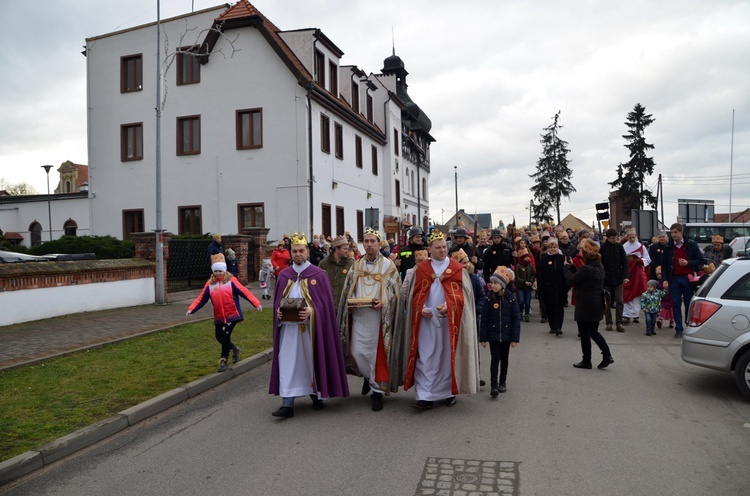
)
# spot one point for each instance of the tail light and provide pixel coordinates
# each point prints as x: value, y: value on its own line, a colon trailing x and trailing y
x: 701, y: 311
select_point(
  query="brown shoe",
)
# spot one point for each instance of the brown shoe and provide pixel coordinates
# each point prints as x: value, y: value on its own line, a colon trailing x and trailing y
x: 620, y: 328
x: 609, y: 327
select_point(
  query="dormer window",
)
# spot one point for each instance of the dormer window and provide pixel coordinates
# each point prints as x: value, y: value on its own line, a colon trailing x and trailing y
x: 355, y: 97
x: 333, y: 71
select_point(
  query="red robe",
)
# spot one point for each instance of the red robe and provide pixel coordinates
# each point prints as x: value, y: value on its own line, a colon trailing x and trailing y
x: 451, y: 281
x: 638, y: 282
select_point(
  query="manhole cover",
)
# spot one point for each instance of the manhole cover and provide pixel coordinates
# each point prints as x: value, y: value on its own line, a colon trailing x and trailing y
x: 457, y: 477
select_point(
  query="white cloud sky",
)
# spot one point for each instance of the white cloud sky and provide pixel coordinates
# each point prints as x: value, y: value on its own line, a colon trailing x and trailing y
x: 490, y: 75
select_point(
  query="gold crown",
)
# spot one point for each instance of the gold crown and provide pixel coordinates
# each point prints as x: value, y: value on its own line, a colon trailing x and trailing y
x: 434, y: 235
x: 299, y: 239
x: 372, y: 231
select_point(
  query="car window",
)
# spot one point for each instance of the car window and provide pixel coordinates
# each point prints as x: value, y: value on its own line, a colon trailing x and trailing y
x: 739, y: 290
x: 708, y: 284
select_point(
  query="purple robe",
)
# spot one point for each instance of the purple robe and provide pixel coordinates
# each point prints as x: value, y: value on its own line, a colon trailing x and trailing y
x: 330, y: 372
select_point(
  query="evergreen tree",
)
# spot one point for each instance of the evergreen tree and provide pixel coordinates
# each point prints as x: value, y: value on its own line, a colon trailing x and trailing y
x: 552, y: 175
x: 631, y: 175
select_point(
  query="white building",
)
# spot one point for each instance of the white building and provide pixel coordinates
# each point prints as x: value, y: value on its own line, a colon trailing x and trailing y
x: 261, y: 128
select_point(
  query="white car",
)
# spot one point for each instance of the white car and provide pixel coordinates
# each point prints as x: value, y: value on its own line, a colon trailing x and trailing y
x: 740, y: 246
x: 717, y: 334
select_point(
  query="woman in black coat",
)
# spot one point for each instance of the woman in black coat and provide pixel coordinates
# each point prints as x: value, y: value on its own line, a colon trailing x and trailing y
x: 588, y: 284
x: 551, y: 285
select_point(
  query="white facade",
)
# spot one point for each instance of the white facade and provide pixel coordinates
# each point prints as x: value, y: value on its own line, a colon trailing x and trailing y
x: 251, y: 66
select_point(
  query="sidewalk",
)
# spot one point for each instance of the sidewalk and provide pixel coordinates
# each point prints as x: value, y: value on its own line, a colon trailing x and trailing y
x: 36, y: 341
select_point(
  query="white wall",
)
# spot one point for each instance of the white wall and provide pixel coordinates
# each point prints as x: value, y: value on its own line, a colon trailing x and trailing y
x: 18, y: 216
x: 44, y: 303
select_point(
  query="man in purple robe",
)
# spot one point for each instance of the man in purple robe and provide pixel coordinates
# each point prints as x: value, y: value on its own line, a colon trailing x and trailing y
x: 307, y: 355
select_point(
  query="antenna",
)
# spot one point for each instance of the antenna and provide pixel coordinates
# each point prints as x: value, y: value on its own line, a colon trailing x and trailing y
x: 393, y: 40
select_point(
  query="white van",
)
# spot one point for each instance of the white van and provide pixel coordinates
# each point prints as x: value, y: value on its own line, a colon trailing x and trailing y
x: 702, y: 232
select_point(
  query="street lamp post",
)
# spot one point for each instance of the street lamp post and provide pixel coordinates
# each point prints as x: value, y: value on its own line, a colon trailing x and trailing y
x: 49, y: 205
x: 455, y: 180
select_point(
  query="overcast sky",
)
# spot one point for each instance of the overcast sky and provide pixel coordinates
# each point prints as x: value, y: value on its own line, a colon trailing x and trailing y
x: 489, y: 74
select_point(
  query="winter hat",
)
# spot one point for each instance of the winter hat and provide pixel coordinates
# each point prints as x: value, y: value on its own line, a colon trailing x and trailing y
x: 230, y: 254
x: 219, y: 266
x: 502, y: 275
x: 652, y: 283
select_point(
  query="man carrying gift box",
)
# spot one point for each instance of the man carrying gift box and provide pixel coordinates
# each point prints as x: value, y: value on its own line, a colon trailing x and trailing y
x: 307, y: 357
x: 366, y: 317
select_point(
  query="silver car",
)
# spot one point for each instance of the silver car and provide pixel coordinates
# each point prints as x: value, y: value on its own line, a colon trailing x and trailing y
x: 717, y: 335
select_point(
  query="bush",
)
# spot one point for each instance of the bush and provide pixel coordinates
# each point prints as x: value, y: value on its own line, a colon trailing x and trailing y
x: 103, y: 246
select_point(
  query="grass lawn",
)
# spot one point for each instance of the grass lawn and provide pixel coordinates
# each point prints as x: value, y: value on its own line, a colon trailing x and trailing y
x: 43, y: 402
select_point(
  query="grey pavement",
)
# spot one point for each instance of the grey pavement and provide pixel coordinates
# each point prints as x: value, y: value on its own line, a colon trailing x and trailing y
x: 648, y: 424
x: 33, y: 342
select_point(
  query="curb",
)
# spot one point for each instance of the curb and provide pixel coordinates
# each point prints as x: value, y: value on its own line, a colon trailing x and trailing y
x: 30, y: 461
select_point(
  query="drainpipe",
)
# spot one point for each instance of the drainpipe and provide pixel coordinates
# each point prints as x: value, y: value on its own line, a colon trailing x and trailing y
x: 310, y: 152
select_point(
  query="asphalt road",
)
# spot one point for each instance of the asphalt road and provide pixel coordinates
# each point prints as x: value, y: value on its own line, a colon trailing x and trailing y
x: 648, y: 425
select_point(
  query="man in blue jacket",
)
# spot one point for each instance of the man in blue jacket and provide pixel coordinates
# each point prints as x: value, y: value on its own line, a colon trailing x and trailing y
x: 682, y: 257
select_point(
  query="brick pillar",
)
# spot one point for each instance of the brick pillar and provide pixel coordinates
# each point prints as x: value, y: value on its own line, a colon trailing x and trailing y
x: 239, y: 243
x: 259, y: 241
x: 145, y: 248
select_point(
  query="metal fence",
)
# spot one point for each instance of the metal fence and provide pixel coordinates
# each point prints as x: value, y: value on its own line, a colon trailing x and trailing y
x: 188, y: 266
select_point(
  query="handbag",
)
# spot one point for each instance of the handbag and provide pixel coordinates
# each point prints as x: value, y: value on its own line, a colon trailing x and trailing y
x: 290, y: 309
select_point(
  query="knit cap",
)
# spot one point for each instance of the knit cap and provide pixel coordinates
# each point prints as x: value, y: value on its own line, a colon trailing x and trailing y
x: 653, y: 283
x: 502, y: 275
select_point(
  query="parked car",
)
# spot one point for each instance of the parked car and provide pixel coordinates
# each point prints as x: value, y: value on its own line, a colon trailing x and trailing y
x: 740, y: 246
x: 717, y: 335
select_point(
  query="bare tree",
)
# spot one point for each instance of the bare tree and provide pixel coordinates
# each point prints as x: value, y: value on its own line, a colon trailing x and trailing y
x: 17, y: 189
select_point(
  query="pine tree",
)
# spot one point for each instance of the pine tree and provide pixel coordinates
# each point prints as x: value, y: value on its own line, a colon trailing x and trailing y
x: 631, y: 175
x: 552, y: 175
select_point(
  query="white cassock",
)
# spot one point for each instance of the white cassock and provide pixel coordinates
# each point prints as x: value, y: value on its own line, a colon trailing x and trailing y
x: 296, y: 373
x: 365, y: 329
x: 432, y: 371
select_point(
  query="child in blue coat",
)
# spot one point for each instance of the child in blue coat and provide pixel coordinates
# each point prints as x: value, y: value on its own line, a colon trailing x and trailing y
x: 500, y: 326
x: 651, y: 305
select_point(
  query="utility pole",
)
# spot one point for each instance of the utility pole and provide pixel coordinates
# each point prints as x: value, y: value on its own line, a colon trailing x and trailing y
x: 160, y: 296
x: 455, y: 180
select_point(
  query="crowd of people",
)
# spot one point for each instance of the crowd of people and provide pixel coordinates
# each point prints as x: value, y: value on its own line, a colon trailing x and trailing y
x: 414, y: 316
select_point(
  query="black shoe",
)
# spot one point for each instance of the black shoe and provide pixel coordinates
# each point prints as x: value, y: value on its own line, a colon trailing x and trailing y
x: 422, y: 405
x: 317, y: 403
x: 635, y: 320
x: 366, y: 387
x: 450, y: 401
x: 678, y: 334
x: 552, y: 331
x: 222, y: 365
x: 605, y: 362
x: 543, y: 320
x: 494, y: 392
x: 377, y: 402
x: 284, y: 412
x: 502, y: 387
x: 582, y: 365
x: 235, y: 354
x: 482, y: 383
x: 558, y: 332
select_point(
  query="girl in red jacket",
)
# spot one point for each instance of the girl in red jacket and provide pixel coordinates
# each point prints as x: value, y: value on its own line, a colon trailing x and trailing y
x: 224, y: 290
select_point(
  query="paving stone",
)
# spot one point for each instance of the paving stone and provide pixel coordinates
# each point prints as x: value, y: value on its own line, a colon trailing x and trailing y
x: 460, y: 477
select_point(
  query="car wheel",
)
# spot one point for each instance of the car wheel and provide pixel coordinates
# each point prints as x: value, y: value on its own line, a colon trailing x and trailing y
x: 742, y: 373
